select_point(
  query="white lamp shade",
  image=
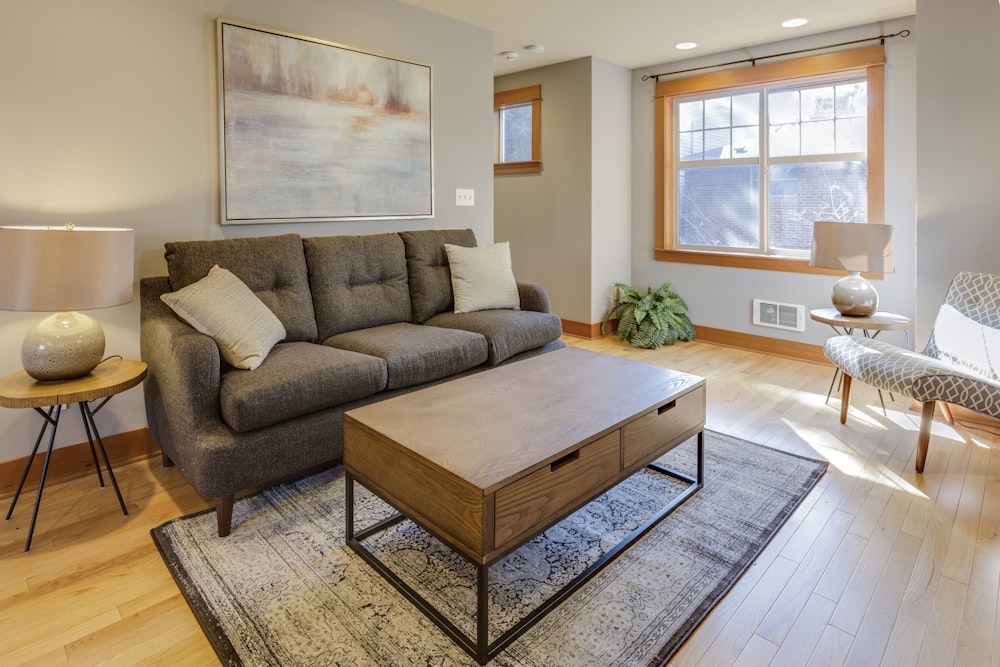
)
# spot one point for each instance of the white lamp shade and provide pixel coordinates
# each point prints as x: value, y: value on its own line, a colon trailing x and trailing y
x: 852, y: 246
x: 61, y: 269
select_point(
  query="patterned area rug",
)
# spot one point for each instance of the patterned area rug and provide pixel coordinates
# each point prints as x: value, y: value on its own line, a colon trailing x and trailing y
x: 283, y: 589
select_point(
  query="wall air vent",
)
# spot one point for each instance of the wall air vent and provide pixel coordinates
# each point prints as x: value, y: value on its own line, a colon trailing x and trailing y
x: 778, y: 315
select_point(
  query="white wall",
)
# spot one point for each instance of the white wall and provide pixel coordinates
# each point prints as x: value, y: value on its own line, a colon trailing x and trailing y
x: 721, y: 297
x: 611, y: 174
x: 958, y: 108
x: 110, y: 118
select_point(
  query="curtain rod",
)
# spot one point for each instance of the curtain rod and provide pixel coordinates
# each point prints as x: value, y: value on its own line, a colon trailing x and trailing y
x: 753, y: 61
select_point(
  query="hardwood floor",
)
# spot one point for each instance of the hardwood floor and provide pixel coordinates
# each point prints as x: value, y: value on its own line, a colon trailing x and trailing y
x: 878, y: 566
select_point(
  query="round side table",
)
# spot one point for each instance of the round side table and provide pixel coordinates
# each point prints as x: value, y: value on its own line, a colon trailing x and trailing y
x: 19, y: 390
x: 871, y: 326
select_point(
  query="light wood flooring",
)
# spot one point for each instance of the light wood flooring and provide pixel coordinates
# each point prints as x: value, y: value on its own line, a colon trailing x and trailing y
x: 878, y: 566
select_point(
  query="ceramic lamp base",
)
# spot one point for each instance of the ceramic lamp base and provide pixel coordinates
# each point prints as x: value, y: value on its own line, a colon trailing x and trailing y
x: 853, y: 295
x: 62, y: 346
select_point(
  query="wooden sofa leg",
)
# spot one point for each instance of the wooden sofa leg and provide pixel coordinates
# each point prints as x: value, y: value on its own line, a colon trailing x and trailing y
x: 167, y: 463
x: 946, y: 409
x: 845, y: 397
x: 224, y: 514
x: 924, y: 437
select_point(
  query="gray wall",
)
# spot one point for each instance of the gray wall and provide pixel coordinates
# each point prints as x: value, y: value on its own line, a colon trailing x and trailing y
x: 958, y: 144
x: 568, y: 225
x: 721, y: 297
x: 546, y: 216
x: 110, y: 118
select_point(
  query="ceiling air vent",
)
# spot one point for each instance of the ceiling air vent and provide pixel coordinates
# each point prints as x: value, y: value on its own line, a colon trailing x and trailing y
x: 789, y: 316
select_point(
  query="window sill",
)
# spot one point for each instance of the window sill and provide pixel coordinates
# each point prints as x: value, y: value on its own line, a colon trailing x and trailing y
x: 528, y: 167
x: 737, y: 261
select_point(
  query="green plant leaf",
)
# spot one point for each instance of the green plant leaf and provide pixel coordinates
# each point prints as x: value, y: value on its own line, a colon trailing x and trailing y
x: 649, y: 320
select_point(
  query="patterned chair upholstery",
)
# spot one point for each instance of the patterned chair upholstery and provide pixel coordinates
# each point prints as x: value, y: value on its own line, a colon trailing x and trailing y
x: 960, y: 364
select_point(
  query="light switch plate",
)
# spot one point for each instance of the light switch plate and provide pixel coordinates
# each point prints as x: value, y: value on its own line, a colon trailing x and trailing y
x: 465, y: 197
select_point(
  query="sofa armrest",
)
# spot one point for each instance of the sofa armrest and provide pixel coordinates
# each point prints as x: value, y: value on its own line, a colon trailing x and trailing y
x: 184, y: 370
x: 534, y: 297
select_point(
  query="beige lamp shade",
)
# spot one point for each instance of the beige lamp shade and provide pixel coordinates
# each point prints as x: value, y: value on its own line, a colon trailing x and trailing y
x: 852, y: 246
x: 58, y: 268
x: 64, y: 269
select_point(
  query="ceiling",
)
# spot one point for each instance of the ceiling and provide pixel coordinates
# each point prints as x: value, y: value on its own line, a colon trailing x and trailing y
x: 640, y: 33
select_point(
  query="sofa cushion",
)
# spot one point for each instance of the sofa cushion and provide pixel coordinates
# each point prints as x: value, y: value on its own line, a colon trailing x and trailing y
x: 415, y: 354
x: 427, y: 266
x: 482, y: 278
x: 357, y: 282
x: 273, y: 267
x: 507, y: 332
x: 297, y: 379
x: 223, y: 307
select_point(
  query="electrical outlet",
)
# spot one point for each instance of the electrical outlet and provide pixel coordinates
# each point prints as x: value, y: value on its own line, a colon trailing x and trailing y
x: 465, y: 197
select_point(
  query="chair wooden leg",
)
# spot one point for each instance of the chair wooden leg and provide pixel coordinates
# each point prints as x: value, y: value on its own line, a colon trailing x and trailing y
x: 946, y: 409
x: 224, y: 514
x: 845, y: 397
x: 924, y: 438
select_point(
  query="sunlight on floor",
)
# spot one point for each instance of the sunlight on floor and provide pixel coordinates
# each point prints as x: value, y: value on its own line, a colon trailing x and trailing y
x: 849, y: 464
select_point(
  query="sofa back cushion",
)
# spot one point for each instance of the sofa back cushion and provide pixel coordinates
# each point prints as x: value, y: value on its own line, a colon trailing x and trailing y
x: 273, y: 267
x: 357, y: 282
x: 427, y: 266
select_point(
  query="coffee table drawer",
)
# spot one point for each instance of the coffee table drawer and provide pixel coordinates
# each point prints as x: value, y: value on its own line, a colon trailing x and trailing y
x: 651, y: 433
x: 529, y: 504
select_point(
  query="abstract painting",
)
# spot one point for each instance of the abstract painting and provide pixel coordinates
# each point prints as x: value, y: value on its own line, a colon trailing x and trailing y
x: 315, y: 131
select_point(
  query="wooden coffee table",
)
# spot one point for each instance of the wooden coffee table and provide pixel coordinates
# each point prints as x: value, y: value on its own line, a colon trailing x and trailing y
x: 487, y: 462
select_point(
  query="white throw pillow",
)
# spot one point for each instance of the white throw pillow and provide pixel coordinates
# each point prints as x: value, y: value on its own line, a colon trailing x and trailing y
x: 223, y: 307
x: 482, y: 278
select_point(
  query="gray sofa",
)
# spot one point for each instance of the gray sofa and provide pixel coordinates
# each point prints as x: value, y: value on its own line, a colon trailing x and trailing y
x: 365, y: 317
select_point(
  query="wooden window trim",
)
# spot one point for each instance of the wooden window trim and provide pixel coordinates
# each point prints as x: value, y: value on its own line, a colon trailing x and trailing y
x: 869, y: 60
x: 511, y: 98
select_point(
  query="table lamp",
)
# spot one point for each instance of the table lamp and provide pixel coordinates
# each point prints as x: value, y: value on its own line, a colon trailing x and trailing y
x: 853, y: 247
x: 64, y: 269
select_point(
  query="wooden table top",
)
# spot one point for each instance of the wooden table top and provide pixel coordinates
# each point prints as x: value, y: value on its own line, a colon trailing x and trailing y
x: 113, y: 376
x: 489, y: 427
x: 878, y: 321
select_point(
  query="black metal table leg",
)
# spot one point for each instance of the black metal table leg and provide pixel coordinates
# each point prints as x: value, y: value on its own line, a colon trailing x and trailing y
x: 90, y: 441
x: 480, y: 647
x: 89, y: 417
x: 54, y: 421
x: 31, y: 457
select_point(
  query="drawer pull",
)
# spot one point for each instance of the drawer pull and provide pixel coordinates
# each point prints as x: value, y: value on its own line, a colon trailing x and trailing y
x: 668, y: 406
x: 560, y: 462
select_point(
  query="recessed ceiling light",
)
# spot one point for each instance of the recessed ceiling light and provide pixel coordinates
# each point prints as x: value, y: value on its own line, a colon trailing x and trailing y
x: 536, y: 49
x: 508, y: 55
x: 683, y: 46
x: 794, y: 23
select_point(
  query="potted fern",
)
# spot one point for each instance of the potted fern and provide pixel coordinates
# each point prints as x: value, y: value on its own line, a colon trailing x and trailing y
x: 649, y: 320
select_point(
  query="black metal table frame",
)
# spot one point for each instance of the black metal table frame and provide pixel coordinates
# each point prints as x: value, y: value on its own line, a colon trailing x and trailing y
x: 480, y: 648
x: 90, y: 426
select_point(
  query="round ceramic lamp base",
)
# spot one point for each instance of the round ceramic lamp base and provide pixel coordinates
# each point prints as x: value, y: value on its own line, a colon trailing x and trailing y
x: 853, y: 295
x: 62, y: 346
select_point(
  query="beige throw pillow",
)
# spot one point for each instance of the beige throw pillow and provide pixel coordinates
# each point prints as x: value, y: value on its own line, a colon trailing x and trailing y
x: 223, y: 307
x: 482, y: 278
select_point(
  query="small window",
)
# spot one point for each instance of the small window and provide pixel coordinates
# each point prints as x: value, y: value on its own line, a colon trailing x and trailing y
x: 517, y: 120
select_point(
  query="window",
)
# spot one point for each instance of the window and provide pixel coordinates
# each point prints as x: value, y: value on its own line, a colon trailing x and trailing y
x: 517, y: 120
x: 750, y: 158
